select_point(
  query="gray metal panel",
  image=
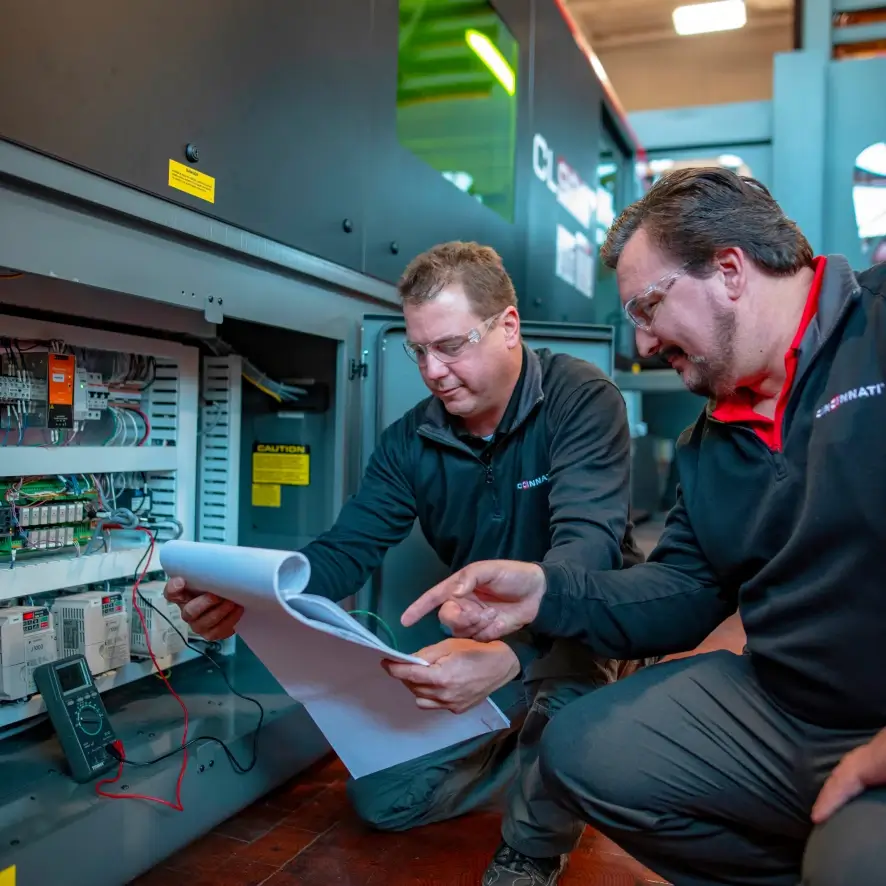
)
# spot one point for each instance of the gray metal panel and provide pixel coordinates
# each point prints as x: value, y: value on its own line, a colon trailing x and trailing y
x: 816, y: 21
x: 799, y: 113
x: 304, y: 512
x: 392, y: 387
x: 691, y: 127
x: 46, y: 820
x: 851, y: 5
x: 856, y: 120
x: 29, y: 166
x: 859, y: 34
x: 58, y: 240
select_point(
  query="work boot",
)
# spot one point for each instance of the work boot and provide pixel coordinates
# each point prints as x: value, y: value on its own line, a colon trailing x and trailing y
x: 512, y: 868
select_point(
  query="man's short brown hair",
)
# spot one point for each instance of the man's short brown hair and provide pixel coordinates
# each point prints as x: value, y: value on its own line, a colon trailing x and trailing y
x: 477, y: 269
x: 691, y: 214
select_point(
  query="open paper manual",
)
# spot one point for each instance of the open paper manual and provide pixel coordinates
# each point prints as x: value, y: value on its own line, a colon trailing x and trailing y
x: 324, y: 658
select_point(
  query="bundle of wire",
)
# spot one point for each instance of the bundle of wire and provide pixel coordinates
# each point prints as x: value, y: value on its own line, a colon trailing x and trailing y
x: 279, y: 391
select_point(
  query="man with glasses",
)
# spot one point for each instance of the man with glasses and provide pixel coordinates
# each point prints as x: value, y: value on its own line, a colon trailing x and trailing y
x: 516, y: 453
x: 770, y: 766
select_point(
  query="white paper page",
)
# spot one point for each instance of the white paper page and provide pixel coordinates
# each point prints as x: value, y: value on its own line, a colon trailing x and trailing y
x: 253, y: 577
x: 370, y: 719
x: 257, y: 578
x: 320, y: 609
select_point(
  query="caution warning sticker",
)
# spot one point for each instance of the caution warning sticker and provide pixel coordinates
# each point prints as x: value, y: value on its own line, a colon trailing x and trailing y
x: 191, y: 181
x: 281, y: 464
x: 7, y: 877
x: 265, y: 495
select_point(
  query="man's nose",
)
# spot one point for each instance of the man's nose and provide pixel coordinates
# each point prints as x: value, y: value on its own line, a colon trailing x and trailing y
x: 433, y: 368
x: 647, y: 344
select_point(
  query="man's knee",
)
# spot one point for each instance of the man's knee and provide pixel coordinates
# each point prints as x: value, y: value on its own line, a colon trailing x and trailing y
x: 849, y: 848
x: 395, y: 799
x: 582, y: 756
x: 385, y: 807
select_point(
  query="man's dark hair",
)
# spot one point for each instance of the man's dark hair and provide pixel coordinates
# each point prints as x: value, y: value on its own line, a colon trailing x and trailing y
x: 692, y: 213
x: 477, y: 269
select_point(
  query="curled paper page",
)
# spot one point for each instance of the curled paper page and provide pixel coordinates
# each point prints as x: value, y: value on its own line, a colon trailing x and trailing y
x: 324, y: 658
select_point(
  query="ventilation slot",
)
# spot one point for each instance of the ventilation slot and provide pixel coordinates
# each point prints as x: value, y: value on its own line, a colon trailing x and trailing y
x: 220, y: 450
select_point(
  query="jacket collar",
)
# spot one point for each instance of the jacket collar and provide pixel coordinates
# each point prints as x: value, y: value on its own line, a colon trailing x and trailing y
x: 839, y: 289
x: 527, y: 394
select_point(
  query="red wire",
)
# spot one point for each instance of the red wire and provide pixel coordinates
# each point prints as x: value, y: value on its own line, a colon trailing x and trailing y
x: 142, y: 414
x: 177, y: 805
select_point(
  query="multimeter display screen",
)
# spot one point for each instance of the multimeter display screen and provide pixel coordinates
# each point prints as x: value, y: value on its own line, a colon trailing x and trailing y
x: 71, y: 676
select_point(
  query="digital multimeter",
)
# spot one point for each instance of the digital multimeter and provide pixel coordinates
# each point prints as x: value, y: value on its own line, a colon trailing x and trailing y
x: 78, y: 714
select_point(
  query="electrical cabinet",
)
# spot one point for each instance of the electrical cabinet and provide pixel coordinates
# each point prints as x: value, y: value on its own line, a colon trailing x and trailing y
x: 360, y: 133
x: 273, y: 100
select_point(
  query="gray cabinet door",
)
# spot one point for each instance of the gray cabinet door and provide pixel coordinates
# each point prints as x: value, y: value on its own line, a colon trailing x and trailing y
x: 393, y: 385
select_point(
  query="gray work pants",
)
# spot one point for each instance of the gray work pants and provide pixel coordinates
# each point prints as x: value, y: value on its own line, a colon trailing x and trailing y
x: 493, y: 771
x: 690, y: 767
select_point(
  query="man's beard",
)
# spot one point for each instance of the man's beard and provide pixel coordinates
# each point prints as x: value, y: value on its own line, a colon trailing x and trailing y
x: 712, y: 376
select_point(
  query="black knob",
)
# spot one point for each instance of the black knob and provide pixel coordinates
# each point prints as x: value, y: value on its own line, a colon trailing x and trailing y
x: 395, y: 247
x: 192, y: 154
x: 347, y: 226
x: 90, y: 720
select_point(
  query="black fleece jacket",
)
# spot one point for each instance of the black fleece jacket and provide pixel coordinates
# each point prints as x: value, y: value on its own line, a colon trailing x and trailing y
x: 793, y: 533
x: 553, y: 484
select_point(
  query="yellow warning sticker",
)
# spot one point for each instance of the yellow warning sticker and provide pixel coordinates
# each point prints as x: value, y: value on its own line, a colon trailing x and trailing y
x: 191, y: 181
x: 264, y: 495
x: 283, y: 464
x: 7, y: 877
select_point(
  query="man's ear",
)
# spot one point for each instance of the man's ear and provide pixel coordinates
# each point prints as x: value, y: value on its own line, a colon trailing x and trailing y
x: 734, y: 267
x: 510, y: 323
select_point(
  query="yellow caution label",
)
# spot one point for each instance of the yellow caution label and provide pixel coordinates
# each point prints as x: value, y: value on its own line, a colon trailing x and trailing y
x: 193, y: 182
x: 264, y: 495
x: 7, y: 877
x: 281, y: 464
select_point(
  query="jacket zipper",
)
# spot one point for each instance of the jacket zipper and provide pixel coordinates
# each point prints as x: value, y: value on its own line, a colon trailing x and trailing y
x: 445, y: 440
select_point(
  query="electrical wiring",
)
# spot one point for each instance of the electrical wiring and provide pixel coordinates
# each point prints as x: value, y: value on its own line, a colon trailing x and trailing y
x: 279, y: 391
x: 118, y: 382
x: 142, y: 570
x: 116, y: 749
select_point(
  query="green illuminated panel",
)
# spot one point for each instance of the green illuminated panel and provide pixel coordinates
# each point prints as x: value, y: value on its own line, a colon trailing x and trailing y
x: 457, y: 80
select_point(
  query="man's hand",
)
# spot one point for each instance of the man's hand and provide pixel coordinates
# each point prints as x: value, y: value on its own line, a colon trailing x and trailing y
x: 485, y: 600
x: 207, y: 614
x: 460, y: 673
x: 865, y: 767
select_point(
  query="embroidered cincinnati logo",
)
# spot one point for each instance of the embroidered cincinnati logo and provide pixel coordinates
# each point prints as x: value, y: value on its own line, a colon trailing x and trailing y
x: 848, y: 396
x: 531, y: 484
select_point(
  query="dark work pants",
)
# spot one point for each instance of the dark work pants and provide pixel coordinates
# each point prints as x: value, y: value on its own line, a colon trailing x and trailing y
x: 493, y: 771
x: 692, y: 769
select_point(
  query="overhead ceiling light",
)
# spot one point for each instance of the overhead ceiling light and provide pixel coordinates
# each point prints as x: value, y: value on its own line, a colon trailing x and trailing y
x: 704, y: 18
x: 488, y: 53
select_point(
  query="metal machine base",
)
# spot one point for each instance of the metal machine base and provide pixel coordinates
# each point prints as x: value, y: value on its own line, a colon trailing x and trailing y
x: 54, y: 831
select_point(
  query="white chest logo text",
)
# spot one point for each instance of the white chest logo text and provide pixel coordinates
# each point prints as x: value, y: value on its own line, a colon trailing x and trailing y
x: 861, y: 393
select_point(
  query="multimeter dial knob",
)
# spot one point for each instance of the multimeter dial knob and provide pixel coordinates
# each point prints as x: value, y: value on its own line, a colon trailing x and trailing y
x: 89, y: 719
